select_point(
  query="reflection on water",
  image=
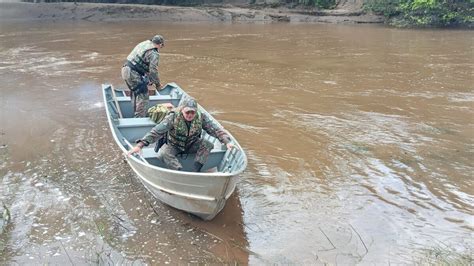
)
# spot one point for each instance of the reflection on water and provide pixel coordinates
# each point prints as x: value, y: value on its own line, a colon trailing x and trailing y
x: 360, y: 149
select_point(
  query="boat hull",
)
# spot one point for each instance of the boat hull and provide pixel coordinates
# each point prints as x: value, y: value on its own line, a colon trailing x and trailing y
x: 203, y: 194
x: 187, y: 192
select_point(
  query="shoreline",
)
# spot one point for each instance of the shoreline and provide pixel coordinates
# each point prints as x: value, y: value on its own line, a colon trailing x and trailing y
x: 95, y: 12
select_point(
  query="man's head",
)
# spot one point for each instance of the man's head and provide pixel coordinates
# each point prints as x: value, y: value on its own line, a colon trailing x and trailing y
x: 189, y: 109
x: 158, y: 40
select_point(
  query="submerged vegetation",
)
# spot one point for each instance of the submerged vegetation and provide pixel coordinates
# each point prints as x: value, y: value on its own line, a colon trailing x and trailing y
x: 443, y: 254
x: 5, y: 217
x: 425, y: 13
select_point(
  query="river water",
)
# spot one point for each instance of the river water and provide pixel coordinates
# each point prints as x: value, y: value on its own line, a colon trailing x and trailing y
x: 359, y: 139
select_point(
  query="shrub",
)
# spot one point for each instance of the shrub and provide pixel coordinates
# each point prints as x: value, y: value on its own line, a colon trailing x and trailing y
x: 439, y: 13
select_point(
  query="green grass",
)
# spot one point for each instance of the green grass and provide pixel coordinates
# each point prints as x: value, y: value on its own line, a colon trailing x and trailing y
x: 445, y: 255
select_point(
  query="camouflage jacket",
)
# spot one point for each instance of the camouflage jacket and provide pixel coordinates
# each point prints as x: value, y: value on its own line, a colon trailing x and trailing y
x: 169, y: 123
x: 145, y: 54
x: 184, y: 133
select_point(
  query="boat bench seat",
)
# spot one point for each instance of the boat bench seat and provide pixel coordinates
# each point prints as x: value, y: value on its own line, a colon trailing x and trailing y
x: 126, y: 106
x: 135, y: 128
x: 149, y: 152
x: 152, y: 98
x: 135, y: 122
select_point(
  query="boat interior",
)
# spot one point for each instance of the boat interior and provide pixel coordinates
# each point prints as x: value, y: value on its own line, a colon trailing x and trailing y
x: 128, y: 129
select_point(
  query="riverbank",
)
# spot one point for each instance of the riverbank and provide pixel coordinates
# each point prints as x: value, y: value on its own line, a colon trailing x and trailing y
x: 226, y: 14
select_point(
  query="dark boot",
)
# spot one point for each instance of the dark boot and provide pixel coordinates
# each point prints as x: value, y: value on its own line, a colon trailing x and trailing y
x: 197, y: 166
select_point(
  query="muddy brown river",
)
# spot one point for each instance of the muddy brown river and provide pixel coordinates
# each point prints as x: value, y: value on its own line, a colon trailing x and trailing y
x: 359, y: 139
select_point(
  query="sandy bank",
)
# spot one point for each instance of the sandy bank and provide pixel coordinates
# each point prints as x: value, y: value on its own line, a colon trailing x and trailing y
x: 122, y: 12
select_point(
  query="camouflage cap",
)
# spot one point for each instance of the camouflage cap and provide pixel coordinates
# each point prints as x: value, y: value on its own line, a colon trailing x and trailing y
x: 158, y: 39
x: 190, y: 104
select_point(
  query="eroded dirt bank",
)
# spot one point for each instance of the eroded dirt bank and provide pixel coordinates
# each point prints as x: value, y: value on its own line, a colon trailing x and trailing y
x: 230, y: 14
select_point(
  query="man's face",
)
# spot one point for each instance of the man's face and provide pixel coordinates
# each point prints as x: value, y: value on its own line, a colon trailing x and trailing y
x: 188, y: 114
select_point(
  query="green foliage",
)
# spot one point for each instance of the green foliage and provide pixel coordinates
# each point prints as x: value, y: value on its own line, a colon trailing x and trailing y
x: 324, y: 3
x: 318, y: 3
x: 439, y: 13
x: 420, y: 4
x: 382, y: 7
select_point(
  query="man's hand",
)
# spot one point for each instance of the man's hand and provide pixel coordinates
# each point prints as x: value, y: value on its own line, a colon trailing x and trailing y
x: 231, y: 146
x: 134, y: 150
x: 170, y: 106
x: 158, y: 86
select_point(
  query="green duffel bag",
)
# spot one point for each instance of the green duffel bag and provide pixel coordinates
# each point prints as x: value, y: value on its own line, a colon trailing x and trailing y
x: 158, y: 112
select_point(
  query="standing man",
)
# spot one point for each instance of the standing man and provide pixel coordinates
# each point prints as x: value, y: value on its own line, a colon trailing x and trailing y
x: 182, y: 128
x: 141, y: 70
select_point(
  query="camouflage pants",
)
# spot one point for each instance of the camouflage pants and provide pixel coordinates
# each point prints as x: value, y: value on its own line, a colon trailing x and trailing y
x: 139, y: 100
x: 140, y: 104
x: 168, y: 153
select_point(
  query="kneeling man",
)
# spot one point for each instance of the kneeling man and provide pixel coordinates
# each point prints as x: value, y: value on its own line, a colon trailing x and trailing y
x: 182, y: 128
